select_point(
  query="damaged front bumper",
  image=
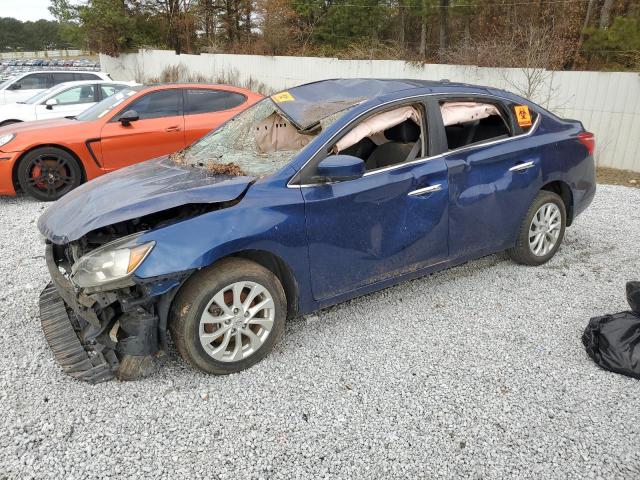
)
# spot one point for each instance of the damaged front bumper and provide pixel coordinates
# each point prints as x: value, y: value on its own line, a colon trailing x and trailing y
x: 97, y: 336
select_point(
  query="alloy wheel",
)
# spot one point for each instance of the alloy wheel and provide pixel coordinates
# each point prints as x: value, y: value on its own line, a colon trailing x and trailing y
x: 545, y: 229
x: 237, y: 321
x: 50, y: 174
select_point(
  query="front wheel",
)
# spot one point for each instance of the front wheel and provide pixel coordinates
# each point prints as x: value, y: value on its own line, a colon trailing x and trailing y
x: 228, y: 317
x: 542, y: 230
x: 48, y: 173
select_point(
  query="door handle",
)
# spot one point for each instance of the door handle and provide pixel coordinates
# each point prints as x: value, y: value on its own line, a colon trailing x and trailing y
x: 174, y: 128
x: 522, y: 166
x: 426, y: 190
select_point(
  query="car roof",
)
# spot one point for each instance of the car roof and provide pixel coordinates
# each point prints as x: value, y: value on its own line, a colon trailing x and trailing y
x: 62, y: 85
x: 307, y: 104
x: 222, y: 86
x: 61, y: 71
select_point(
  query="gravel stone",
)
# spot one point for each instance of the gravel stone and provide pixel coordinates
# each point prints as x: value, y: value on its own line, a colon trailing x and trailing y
x: 474, y: 372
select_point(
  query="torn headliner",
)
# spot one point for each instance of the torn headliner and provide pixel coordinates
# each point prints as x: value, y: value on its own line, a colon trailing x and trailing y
x: 314, y: 101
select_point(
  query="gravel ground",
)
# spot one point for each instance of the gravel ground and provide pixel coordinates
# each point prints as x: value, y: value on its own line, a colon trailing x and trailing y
x: 474, y: 372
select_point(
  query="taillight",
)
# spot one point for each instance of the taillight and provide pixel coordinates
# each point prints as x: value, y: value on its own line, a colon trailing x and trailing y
x: 588, y: 139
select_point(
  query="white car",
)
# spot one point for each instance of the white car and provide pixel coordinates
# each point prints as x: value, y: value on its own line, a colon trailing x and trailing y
x: 27, y: 84
x: 64, y: 100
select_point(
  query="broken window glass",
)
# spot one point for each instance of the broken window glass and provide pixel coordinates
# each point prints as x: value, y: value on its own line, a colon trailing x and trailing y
x: 256, y: 142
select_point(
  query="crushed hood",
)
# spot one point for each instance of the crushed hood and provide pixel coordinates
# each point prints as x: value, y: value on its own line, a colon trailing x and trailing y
x: 132, y: 192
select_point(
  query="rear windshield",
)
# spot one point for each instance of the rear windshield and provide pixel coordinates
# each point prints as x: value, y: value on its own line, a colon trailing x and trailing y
x: 100, y: 109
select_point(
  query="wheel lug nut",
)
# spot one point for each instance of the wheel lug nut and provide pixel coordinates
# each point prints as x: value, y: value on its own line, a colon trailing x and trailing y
x: 246, y: 314
x: 236, y: 310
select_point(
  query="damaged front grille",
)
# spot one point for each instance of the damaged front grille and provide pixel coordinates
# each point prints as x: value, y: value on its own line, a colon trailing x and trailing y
x: 92, y: 367
x: 96, y: 336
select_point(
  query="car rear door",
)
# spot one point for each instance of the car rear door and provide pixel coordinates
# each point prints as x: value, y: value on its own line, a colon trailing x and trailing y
x: 392, y: 221
x: 205, y: 109
x: 159, y: 130
x: 494, y: 173
x: 62, y: 77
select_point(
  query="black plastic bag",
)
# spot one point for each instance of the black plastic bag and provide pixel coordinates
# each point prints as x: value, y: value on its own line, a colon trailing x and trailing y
x: 613, y: 342
x: 633, y: 296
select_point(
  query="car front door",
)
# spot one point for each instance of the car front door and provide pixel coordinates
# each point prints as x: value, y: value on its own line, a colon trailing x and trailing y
x: 158, y: 131
x: 393, y: 220
x: 494, y: 173
x: 69, y: 102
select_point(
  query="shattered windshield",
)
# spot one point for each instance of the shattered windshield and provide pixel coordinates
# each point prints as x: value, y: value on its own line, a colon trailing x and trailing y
x: 257, y: 142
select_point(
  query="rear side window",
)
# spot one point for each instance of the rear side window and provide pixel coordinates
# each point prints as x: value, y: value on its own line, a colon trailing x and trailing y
x: 204, y: 101
x: 62, y: 77
x: 468, y: 123
x: 165, y: 103
x: 108, y: 90
x: 34, y: 81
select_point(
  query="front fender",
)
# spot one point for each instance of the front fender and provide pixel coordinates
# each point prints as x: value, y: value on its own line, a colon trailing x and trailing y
x: 269, y: 218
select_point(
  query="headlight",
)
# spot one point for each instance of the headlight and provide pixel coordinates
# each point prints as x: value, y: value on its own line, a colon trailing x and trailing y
x: 113, y: 261
x: 4, y: 139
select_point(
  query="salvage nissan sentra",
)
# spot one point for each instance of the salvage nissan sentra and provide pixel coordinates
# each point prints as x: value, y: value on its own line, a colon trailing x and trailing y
x: 311, y: 197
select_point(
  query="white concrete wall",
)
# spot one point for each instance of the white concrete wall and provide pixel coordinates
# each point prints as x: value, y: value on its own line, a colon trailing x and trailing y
x: 42, y: 54
x: 608, y: 104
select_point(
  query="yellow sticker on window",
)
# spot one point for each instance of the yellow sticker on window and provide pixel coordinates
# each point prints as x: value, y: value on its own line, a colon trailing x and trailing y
x: 522, y: 115
x: 282, y: 97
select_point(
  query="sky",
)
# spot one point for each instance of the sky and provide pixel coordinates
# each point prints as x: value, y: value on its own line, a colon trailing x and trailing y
x: 25, y: 9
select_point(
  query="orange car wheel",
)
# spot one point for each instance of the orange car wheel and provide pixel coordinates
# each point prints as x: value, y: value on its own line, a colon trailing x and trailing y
x: 48, y: 173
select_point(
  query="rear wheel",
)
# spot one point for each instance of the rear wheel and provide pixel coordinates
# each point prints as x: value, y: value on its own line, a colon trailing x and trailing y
x: 542, y: 230
x: 48, y: 173
x: 228, y: 317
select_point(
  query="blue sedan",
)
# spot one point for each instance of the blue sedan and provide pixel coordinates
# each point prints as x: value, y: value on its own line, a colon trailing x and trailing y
x: 312, y: 197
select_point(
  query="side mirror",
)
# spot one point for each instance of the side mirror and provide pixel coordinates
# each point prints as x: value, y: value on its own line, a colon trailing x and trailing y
x: 127, y: 117
x: 50, y: 103
x: 338, y: 168
x: 15, y: 86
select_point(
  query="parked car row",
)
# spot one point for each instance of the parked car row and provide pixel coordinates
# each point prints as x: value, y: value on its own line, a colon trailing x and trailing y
x: 8, y: 71
x: 25, y: 85
x: 44, y: 62
x: 251, y: 210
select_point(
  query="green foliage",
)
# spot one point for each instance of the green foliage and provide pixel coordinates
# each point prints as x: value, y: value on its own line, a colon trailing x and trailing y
x: 110, y: 26
x: 618, y: 46
x: 338, y: 23
x: 30, y: 36
x: 107, y: 25
x: 455, y: 31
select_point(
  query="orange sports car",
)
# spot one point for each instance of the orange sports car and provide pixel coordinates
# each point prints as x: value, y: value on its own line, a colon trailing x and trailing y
x: 48, y: 158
